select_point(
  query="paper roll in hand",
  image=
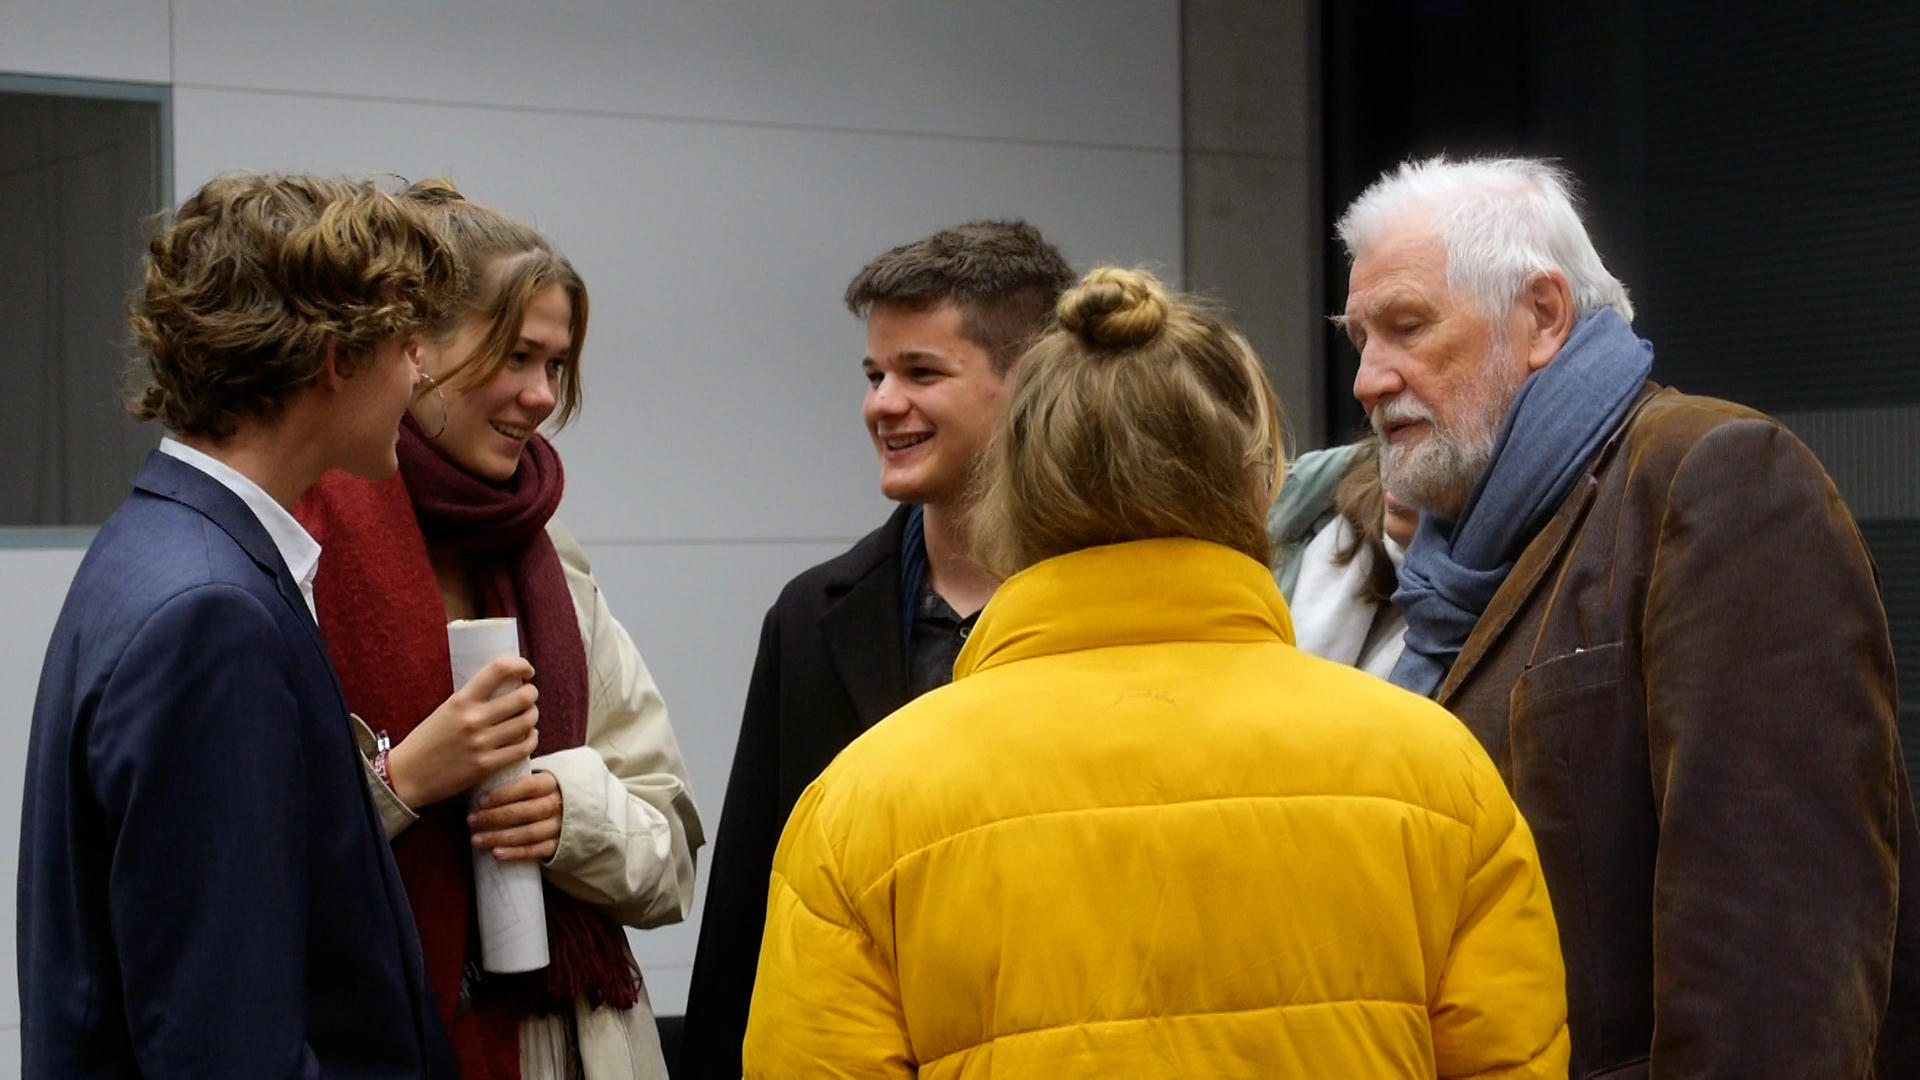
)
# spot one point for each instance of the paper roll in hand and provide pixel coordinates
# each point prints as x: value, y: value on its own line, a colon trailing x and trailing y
x: 507, y: 896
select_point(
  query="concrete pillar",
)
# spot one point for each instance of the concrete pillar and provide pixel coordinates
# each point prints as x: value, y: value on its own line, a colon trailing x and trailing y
x: 1251, y: 186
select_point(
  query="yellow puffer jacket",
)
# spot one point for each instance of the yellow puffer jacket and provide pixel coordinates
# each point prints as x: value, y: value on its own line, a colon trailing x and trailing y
x: 1141, y: 835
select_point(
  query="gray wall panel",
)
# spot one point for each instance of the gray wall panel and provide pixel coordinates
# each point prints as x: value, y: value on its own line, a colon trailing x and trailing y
x: 86, y: 39
x: 33, y: 584
x: 722, y: 372
x: 1087, y: 71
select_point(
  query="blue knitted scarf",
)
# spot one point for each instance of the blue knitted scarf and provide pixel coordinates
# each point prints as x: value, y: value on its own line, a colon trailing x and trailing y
x: 1563, y: 414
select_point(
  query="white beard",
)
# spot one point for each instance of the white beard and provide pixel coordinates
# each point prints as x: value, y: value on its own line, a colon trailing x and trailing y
x: 1435, y: 473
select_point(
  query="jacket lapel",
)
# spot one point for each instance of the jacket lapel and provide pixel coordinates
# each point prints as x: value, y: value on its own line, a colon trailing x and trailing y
x: 1540, y: 555
x: 861, y: 627
x: 1520, y: 584
x: 170, y: 478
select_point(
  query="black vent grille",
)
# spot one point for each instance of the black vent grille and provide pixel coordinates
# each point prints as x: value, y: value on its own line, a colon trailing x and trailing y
x: 1896, y: 549
x: 1782, y: 202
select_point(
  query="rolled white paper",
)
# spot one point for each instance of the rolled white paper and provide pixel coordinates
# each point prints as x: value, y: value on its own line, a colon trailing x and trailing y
x: 507, y: 896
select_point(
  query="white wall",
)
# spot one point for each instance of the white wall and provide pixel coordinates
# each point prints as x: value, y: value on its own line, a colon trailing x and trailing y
x: 717, y: 171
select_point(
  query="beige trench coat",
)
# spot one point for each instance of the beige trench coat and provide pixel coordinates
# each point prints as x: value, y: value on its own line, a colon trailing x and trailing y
x: 628, y: 827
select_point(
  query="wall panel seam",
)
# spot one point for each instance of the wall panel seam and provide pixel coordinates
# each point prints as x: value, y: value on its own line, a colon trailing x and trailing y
x: 688, y: 121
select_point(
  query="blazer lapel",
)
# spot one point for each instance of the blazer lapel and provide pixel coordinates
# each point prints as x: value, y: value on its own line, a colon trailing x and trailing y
x: 170, y: 478
x: 1519, y: 585
x: 1541, y: 555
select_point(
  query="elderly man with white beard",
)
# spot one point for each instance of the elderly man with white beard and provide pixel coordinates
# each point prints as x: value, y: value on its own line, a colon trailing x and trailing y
x: 1657, y: 614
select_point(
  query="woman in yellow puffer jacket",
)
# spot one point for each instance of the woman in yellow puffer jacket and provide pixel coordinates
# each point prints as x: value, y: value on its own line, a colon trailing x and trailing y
x: 1141, y: 835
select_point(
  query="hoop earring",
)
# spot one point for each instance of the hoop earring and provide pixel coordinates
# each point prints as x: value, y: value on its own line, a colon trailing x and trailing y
x: 433, y: 384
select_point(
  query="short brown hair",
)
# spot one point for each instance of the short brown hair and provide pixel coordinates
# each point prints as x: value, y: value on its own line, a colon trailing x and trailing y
x: 255, y: 278
x: 506, y: 265
x: 1141, y: 415
x: 1003, y: 275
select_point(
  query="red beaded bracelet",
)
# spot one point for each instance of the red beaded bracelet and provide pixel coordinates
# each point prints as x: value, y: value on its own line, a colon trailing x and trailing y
x: 381, y: 746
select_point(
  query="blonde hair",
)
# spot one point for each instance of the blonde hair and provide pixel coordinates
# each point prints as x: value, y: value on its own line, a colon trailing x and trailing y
x: 508, y: 264
x: 248, y: 286
x: 1140, y: 415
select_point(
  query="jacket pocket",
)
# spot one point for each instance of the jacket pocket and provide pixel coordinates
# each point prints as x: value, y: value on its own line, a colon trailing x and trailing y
x: 1636, y: 1070
x: 1581, y: 779
x: 1581, y: 671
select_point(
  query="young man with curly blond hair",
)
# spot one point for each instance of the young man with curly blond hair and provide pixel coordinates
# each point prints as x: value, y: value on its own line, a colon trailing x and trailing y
x: 205, y: 890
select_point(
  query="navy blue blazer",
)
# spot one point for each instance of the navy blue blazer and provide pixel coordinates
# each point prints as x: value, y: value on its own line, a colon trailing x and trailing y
x: 205, y: 889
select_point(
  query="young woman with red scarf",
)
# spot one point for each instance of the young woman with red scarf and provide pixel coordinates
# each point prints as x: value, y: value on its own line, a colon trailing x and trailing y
x: 466, y: 530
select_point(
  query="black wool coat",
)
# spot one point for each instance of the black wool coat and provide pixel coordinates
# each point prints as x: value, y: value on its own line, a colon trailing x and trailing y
x: 831, y: 664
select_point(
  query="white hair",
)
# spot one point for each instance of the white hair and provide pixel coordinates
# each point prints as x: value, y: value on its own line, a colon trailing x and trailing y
x: 1500, y: 221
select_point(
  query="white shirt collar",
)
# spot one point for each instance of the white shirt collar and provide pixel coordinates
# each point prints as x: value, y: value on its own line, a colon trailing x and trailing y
x: 297, y: 547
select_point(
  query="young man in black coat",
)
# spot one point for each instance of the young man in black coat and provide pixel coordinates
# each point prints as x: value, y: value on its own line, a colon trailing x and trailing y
x: 860, y: 635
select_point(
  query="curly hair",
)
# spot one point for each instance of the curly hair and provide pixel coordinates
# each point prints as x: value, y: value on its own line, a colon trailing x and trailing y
x: 1141, y: 415
x: 1003, y: 275
x: 256, y: 280
x: 507, y: 265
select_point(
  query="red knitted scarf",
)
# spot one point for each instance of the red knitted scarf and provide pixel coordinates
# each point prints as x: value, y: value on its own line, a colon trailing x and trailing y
x: 385, y: 625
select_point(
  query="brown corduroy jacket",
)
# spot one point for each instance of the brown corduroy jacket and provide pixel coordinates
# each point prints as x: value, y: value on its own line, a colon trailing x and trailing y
x: 1688, y: 685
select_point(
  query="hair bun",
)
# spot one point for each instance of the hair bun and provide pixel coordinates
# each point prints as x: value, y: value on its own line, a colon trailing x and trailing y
x: 1115, y: 308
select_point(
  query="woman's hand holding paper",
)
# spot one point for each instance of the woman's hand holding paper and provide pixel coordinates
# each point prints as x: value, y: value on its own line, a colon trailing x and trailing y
x: 469, y: 737
x: 519, y: 820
